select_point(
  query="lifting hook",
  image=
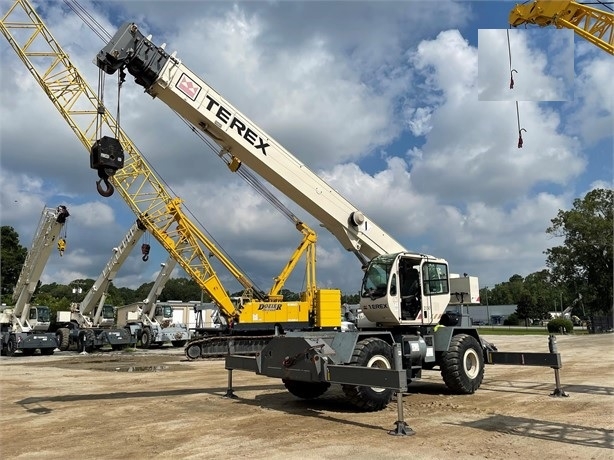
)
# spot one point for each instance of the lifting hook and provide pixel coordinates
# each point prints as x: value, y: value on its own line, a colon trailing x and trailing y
x: 520, y: 141
x: 512, y: 78
x: 109, y: 188
x: 104, y: 177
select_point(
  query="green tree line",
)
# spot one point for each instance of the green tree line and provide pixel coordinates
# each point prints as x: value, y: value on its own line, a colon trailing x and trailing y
x: 579, y: 274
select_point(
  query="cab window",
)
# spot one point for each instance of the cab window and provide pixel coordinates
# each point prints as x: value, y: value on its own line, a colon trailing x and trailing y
x: 375, y: 281
x: 435, y: 278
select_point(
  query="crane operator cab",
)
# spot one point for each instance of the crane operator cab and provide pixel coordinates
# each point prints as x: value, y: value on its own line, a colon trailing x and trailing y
x: 164, y: 315
x: 108, y: 316
x: 405, y: 288
x: 39, y: 318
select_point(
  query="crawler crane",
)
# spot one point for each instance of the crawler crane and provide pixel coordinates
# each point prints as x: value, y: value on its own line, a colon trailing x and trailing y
x: 87, y: 332
x: 154, y: 323
x: 24, y: 327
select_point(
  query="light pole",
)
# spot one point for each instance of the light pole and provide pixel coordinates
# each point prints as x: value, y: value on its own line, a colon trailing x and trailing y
x: 487, y: 312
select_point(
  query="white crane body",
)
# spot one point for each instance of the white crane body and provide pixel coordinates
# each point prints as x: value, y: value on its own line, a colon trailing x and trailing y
x: 24, y: 327
x: 404, y: 295
x: 166, y: 78
x: 153, y: 322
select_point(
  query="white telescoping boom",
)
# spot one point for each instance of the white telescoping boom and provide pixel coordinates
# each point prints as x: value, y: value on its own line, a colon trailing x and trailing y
x: 78, y: 326
x: 149, y: 302
x: 23, y: 326
x: 166, y: 78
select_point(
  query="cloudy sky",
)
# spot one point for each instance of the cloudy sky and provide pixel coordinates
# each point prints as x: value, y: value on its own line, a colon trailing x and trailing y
x: 394, y: 104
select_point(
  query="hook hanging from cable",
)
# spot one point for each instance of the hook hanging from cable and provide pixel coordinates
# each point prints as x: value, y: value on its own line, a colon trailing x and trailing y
x: 520, y: 141
x: 145, y: 248
x: 520, y: 130
x: 509, y: 53
x: 512, y: 78
x: 107, y: 153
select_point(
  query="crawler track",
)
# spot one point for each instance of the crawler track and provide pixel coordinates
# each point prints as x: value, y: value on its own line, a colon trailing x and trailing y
x: 220, y: 346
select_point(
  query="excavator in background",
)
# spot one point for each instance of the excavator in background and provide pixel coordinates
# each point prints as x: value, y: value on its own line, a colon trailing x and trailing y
x: 593, y: 24
x: 80, y: 329
x: 153, y: 322
x: 122, y: 167
x: 23, y: 326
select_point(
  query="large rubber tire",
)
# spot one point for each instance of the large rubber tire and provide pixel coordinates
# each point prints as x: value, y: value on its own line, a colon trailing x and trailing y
x: 370, y: 352
x: 178, y: 343
x: 146, y: 338
x: 63, y: 336
x: 11, y: 346
x: 306, y: 390
x: 462, y: 366
x: 47, y: 351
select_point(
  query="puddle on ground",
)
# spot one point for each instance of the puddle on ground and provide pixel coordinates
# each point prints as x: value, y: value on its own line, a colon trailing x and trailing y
x: 136, y: 369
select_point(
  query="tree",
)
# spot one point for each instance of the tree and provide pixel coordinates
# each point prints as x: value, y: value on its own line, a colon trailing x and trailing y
x: 143, y: 290
x: 12, y: 258
x: 584, y: 263
x: 544, y: 293
x: 506, y: 293
x: 56, y: 290
x: 184, y: 289
x: 289, y: 295
x: 351, y: 299
x: 527, y: 308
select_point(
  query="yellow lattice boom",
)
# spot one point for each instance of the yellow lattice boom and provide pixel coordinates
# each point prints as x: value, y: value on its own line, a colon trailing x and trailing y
x: 136, y: 182
x: 593, y: 24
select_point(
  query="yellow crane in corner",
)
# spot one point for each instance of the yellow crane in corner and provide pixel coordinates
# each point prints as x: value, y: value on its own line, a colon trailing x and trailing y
x: 593, y: 24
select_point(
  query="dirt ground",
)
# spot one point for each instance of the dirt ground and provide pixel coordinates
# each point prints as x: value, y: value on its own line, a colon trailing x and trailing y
x: 155, y: 404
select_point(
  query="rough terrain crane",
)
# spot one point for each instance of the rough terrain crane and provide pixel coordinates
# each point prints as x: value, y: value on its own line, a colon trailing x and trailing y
x: 154, y: 322
x: 87, y: 332
x: 404, y: 295
x: 122, y: 167
x: 593, y: 24
x: 24, y: 327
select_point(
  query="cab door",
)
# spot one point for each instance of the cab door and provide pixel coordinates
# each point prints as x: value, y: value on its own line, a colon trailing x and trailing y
x: 435, y: 290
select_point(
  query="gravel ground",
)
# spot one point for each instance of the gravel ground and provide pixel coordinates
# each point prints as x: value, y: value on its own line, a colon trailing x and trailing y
x: 155, y: 404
